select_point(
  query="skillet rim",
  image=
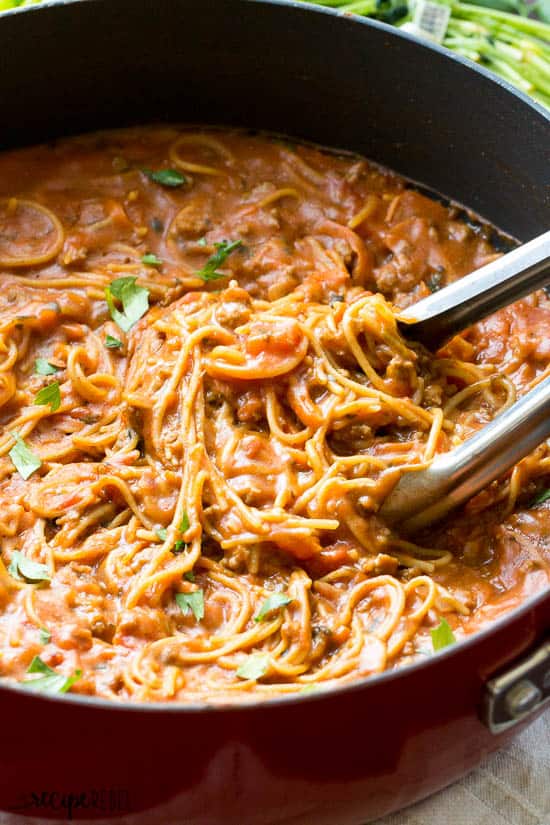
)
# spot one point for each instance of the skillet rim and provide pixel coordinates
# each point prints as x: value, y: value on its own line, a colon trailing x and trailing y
x: 310, y: 7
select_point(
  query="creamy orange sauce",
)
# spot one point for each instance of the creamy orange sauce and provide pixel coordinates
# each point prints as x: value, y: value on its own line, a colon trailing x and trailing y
x: 237, y: 441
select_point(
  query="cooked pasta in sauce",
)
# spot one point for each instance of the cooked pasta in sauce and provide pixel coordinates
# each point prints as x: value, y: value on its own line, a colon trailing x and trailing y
x: 205, y: 399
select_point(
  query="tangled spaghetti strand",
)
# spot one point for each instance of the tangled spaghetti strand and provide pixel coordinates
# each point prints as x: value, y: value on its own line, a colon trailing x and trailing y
x: 203, y: 518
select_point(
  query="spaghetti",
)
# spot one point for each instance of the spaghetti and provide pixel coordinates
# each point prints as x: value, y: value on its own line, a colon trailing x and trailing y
x: 205, y: 399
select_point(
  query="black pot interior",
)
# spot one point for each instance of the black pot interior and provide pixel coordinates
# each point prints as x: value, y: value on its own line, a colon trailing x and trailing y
x: 89, y: 64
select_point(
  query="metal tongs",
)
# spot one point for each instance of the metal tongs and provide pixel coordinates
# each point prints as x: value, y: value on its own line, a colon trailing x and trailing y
x: 422, y: 497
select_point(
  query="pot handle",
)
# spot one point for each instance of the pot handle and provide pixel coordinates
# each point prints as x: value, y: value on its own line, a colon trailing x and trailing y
x: 518, y: 692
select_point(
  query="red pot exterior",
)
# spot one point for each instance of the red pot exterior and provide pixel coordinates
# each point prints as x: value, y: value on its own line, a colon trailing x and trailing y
x: 346, y: 757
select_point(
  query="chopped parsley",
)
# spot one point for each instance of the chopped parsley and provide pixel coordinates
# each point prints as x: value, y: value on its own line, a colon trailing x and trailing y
x: 442, y: 636
x: 209, y: 272
x: 540, y: 499
x: 23, y: 568
x: 112, y: 343
x: 43, y: 367
x: 166, y: 177
x: 49, y: 681
x: 190, y: 576
x: 254, y: 667
x: 134, y: 300
x: 162, y: 533
x: 151, y: 260
x: 49, y: 395
x: 24, y: 460
x: 184, y: 524
x: 44, y: 635
x: 274, y: 602
x: 193, y: 602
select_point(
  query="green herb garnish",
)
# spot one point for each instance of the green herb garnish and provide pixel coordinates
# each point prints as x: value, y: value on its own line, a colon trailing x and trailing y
x: 43, y: 367
x: 49, y: 395
x: 23, y: 568
x: 50, y: 681
x: 274, y: 602
x: 180, y: 545
x: 224, y: 249
x: 442, y: 636
x: 166, y: 177
x: 24, y: 460
x: 184, y: 524
x: 190, y: 576
x: 44, y: 635
x: 193, y: 602
x: 540, y: 499
x: 134, y: 300
x: 151, y: 260
x: 112, y: 343
x: 254, y: 667
x: 162, y: 533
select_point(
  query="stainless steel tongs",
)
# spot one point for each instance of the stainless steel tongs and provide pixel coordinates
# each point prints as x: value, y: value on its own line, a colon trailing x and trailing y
x: 424, y: 496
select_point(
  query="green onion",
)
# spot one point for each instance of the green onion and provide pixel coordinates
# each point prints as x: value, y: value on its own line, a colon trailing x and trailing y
x: 502, y: 35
